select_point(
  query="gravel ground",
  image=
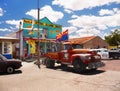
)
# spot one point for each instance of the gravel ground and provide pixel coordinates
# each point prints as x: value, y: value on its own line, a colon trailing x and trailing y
x: 113, y: 65
x: 31, y: 78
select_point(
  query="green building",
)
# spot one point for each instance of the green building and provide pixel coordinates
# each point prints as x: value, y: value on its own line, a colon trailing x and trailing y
x: 28, y: 35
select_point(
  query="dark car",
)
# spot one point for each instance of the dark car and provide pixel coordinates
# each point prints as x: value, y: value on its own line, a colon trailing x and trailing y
x: 114, y: 53
x: 9, y: 66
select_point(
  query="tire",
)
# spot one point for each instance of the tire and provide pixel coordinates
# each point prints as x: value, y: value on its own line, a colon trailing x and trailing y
x: 63, y: 65
x: 94, y: 69
x: 79, y: 66
x: 49, y: 63
x: 10, y: 70
x: 115, y: 57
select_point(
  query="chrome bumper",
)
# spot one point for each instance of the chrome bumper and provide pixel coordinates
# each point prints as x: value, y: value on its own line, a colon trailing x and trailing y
x: 95, y: 65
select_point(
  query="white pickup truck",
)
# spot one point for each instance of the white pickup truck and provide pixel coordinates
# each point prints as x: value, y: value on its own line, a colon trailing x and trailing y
x: 103, y: 52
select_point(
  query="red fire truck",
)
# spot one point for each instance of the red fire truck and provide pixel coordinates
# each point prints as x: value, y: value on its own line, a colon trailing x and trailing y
x: 72, y: 54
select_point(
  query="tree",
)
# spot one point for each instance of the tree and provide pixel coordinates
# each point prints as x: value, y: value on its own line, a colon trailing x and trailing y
x: 114, y: 38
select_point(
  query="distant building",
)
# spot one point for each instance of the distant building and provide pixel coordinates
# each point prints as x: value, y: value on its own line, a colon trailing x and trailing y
x: 91, y: 42
x: 7, y: 46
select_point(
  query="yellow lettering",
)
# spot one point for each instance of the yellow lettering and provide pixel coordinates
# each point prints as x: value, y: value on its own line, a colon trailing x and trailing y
x: 57, y: 31
x: 27, y: 21
x: 52, y: 31
x: 35, y: 22
x: 41, y: 23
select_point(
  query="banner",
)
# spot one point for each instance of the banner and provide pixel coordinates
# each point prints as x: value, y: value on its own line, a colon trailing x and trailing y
x: 46, y: 27
x: 35, y: 22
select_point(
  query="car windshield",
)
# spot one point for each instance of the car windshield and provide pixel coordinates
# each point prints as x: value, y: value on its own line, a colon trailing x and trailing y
x: 66, y: 47
x: 101, y: 50
x: 76, y: 46
x: 2, y: 57
x: 105, y: 50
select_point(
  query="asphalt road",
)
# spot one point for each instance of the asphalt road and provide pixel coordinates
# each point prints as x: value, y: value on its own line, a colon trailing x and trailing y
x: 31, y: 78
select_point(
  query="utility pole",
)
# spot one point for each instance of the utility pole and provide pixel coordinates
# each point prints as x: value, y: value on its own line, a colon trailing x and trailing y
x: 38, y: 61
x: 20, y: 24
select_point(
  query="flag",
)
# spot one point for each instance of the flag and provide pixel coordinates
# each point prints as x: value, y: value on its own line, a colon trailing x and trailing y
x: 62, y: 36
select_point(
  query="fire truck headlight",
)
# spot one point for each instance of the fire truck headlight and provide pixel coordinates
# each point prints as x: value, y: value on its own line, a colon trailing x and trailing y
x: 89, y: 58
x: 97, y: 57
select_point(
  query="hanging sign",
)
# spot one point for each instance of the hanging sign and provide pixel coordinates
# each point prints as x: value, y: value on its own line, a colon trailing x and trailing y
x: 35, y: 22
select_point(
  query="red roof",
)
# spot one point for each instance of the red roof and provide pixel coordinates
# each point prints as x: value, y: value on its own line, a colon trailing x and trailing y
x: 82, y: 40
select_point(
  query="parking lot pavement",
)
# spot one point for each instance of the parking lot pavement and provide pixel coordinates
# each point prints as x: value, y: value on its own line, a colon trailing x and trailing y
x: 113, y: 65
x: 58, y: 79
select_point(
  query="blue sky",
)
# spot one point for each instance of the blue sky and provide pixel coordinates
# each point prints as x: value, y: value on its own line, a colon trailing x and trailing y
x: 81, y: 17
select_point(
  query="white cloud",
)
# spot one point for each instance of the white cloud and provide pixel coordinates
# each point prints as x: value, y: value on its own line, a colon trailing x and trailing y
x: 84, y: 32
x: 68, y: 11
x: 103, y: 12
x: 116, y: 10
x: 48, y: 12
x: 82, y: 4
x: 94, y: 25
x: 70, y: 29
x: 115, y: 29
x: 32, y: 13
x: 5, y: 29
x: 74, y: 16
x: 96, y: 21
x: 1, y: 12
x: 75, y: 32
x: 13, y: 22
x: 106, y: 12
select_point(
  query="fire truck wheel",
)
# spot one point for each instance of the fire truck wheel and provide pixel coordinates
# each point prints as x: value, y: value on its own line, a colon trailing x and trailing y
x: 63, y: 65
x: 50, y: 63
x: 94, y: 69
x: 79, y: 66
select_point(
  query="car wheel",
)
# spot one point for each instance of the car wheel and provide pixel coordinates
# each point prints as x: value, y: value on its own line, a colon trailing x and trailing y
x: 79, y: 67
x: 50, y: 63
x: 94, y: 69
x: 10, y: 70
x: 63, y: 65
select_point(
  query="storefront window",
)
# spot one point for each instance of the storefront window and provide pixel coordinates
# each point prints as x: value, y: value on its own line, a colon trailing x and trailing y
x: 7, y: 48
x: 45, y: 31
